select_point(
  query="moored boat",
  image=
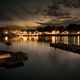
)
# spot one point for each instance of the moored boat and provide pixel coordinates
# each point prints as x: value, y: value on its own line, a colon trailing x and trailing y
x: 9, y: 58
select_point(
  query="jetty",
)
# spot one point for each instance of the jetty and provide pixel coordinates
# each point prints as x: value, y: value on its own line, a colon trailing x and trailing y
x: 68, y: 47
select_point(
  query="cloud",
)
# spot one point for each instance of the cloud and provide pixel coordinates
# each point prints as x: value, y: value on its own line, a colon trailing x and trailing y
x: 13, y: 10
x: 64, y: 8
x: 4, y: 16
x: 71, y: 3
x: 19, y: 10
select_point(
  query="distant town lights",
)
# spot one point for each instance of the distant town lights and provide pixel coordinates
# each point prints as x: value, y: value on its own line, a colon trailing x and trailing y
x: 6, y: 32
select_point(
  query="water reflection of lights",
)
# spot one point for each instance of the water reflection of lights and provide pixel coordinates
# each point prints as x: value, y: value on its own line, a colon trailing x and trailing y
x: 53, y: 39
x: 30, y: 38
x: 2, y: 56
x: 60, y: 39
x: 36, y: 38
x: 6, y: 38
x: 66, y: 40
x: 78, y: 40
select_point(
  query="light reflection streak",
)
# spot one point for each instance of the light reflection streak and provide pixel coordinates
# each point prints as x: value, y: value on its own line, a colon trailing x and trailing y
x: 2, y: 56
x: 78, y: 40
x: 6, y: 38
x: 53, y: 39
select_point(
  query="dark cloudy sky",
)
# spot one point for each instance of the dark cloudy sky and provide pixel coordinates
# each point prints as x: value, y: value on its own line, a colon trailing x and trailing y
x: 29, y: 12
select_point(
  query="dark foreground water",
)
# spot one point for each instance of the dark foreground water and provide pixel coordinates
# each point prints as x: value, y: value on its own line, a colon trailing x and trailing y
x: 44, y: 62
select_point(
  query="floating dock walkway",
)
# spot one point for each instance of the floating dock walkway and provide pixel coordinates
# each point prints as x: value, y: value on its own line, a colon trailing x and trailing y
x: 67, y: 47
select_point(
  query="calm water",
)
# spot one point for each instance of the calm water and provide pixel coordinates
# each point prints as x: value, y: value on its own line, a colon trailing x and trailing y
x: 44, y: 62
